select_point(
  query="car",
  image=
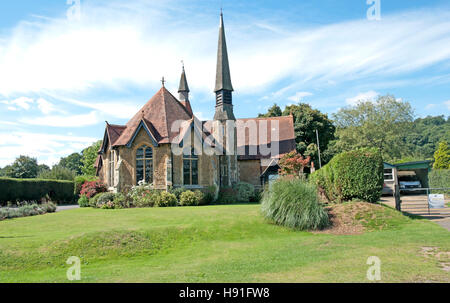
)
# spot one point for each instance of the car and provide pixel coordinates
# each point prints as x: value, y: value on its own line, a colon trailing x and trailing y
x: 410, y: 184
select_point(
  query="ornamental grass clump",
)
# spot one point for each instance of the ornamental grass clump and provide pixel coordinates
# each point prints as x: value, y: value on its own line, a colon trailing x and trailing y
x: 295, y: 204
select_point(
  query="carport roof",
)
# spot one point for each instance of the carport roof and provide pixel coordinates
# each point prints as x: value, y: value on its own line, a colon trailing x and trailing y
x: 414, y: 165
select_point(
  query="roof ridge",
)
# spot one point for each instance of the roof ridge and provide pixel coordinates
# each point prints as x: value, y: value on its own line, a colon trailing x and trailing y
x: 267, y: 118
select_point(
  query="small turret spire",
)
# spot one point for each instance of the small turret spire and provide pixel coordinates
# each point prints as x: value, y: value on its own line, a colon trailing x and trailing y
x: 184, y: 87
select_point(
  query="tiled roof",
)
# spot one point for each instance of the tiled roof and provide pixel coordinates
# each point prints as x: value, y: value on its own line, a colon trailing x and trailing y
x: 158, y: 114
x: 283, y: 126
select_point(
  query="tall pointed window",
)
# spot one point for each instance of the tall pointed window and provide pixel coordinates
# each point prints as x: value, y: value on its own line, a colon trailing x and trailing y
x: 144, y: 164
x: 190, y: 168
x: 111, y: 168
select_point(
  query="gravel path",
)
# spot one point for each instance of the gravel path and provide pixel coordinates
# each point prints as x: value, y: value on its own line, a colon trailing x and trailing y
x: 444, y: 223
x: 66, y: 207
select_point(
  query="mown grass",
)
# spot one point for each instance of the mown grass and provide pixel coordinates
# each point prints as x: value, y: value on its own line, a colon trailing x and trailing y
x: 229, y: 243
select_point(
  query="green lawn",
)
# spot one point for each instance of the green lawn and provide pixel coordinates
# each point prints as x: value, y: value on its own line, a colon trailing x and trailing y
x: 209, y: 244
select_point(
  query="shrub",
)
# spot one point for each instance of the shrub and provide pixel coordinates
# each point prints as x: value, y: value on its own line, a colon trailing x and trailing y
x: 166, y: 199
x: 295, y: 204
x: 244, y: 192
x: 209, y: 195
x: 79, y: 181
x: 49, y: 207
x: 352, y: 175
x: 107, y: 205
x: 227, y: 195
x: 91, y: 188
x: 13, y: 190
x: 83, y: 201
x: 104, y: 198
x: 93, y: 200
x: 439, y: 178
x: 121, y: 201
x: 177, y: 191
x: 27, y: 210
x: 189, y: 198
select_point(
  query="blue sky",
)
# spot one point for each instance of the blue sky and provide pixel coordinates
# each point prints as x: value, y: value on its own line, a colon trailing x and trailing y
x: 62, y: 76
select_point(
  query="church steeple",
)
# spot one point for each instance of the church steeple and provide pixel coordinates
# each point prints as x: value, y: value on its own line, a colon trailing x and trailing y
x: 183, y: 92
x: 183, y: 89
x: 223, y: 88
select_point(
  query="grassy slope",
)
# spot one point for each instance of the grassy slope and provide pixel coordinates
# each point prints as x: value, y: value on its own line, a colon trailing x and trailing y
x: 208, y: 244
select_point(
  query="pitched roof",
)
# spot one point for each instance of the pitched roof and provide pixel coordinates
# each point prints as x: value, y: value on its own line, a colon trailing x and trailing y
x: 283, y: 126
x: 158, y: 115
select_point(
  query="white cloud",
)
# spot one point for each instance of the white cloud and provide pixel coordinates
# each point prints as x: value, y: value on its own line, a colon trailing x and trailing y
x: 299, y: 96
x: 367, y: 96
x: 118, y: 44
x: 447, y: 103
x: 430, y: 106
x: 16, y: 104
x: 45, y: 106
x: 82, y: 120
x: 48, y: 148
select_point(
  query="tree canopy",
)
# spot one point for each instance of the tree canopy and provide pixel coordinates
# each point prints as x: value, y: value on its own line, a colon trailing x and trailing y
x: 442, y: 156
x: 72, y: 162
x: 89, y: 155
x: 382, y: 124
x: 22, y: 167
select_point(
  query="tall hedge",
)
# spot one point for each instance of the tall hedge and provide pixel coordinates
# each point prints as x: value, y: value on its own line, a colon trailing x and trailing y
x: 356, y: 174
x: 13, y: 190
x: 439, y: 178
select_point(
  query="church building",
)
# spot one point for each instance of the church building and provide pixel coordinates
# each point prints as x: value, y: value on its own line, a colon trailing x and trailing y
x: 165, y: 145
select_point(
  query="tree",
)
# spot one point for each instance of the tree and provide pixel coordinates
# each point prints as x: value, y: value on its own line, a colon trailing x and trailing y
x: 42, y: 168
x: 274, y: 111
x: 306, y: 121
x: 293, y: 164
x: 58, y: 173
x: 382, y: 124
x: 72, y: 162
x: 442, y: 156
x: 23, y: 167
x: 89, y: 155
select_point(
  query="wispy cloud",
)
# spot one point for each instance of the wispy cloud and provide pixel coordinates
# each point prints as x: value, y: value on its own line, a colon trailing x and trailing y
x: 138, y: 48
x: 367, y: 96
x: 299, y: 96
x: 82, y: 120
x: 48, y: 148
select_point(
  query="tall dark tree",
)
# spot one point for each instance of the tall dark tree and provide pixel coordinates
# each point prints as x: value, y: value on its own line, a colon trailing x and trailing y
x: 89, y: 156
x: 72, y: 162
x: 23, y: 167
x: 306, y: 121
x: 274, y: 111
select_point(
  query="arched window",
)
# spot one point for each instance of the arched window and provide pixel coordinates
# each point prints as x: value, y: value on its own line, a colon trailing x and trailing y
x: 144, y: 164
x: 190, y: 169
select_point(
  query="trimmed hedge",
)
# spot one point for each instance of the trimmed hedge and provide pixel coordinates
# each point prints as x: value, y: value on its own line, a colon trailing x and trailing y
x: 356, y: 174
x: 439, y: 178
x: 17, y: 190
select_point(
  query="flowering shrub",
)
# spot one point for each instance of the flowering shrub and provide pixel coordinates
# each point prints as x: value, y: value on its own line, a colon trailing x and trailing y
x: 83, y: 201
x: 166, y: 199
x: 143, y: 195
x: 91, y: 188
x: 189, y: 198
x: 293, y: 164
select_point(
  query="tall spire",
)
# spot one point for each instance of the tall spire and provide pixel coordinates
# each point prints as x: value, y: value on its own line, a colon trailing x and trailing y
x: 224, y: 88
x: 223, y: 78
x: 183, y: 82
x: 183, y: 92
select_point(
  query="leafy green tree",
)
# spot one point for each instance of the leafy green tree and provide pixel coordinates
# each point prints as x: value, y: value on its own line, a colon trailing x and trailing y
x: 72, y: 162
x: 442, y: 156
x: 382, y: 124
x: 306, y: 121
x: 42, y: 168
x: 23, y: 167
x: 424, y: 137
x: 89, y: 155
x: 274, y: 111
x: 58, y: 173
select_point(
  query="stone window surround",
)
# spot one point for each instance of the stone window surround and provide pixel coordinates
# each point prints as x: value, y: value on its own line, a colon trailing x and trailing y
x: 134, y: 152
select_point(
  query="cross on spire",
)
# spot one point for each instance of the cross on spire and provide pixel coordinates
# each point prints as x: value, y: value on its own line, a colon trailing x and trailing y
x: 163, y: 81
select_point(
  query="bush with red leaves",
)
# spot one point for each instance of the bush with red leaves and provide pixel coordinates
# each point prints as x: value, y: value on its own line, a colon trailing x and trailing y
x: 91, y: 188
